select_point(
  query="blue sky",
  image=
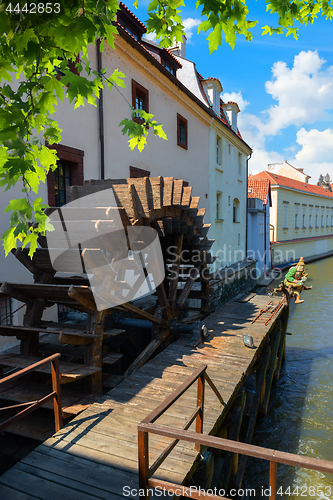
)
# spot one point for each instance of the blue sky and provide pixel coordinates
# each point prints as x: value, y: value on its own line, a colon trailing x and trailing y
x: 284, y: 88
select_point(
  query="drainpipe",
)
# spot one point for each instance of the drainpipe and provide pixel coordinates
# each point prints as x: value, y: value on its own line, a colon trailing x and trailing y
x: 270, y: 245
x: 265, y: 246
x: 100, y: 110
x: 247, y: 188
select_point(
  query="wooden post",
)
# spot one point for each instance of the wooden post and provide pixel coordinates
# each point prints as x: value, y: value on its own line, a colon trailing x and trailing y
x: 32, y: 316
x: 272, y: 480
x: 173, y: 286
x: 204, y: 288
x: 200, y: 402
x: 272, y: 368
x: 95, y: 350
x: 57, y: 400
x: 280, y: 351
x: 143, y: 449
x: 261, y: 374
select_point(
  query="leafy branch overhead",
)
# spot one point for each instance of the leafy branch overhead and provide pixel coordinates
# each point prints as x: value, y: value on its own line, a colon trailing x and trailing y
x: 35, y: 52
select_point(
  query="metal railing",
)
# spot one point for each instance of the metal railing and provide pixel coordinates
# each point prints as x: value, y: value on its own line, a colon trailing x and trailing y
x: 33, y: 405
x: 147, y: 426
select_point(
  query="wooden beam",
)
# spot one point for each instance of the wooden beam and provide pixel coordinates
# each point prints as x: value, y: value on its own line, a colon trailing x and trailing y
x: 74, y: 293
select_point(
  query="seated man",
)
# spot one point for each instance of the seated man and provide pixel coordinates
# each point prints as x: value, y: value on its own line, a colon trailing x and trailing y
x: 296, y: 278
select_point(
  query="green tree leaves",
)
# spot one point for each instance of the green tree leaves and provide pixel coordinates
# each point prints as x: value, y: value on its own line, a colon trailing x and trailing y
x: 138, y: 127
x: 35, y: 53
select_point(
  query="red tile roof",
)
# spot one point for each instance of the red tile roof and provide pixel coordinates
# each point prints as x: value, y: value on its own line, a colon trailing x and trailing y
x: 286, y: 182
x: 259, y: 188
x: 122, y: 5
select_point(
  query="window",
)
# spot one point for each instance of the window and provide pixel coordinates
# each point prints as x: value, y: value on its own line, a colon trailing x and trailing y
x: 322, y: 217
x: 296, y: 216
x: 140, y: 97
x: 62, y: 180
x: 218, y: 205
x: 235, y: 210
x: 136, y: 172
x: 304, y: 217
x: 69, y: 172
x: 229, y: 201
x: 240, y: 165
x: 181, y: 131
x: 168, y: 66
x: 317, y: 217
x: 285, y: 215
x: 229, y: 148
x: 327, y: 217
x: 310, y: 216
x: 331, y: 217
x: 73, y: 66
x: 218, y: 150
x: 5, y: 310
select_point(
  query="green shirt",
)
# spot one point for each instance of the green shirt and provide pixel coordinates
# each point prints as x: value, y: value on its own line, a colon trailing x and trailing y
x: 290, y: 276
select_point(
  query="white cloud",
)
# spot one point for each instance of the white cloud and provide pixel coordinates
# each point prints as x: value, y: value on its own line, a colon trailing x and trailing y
x: 235, y: 97
x: 317, y: 146
x: 189, y: 24
x: 150, y: 36
x: 303, y: 95
x: 261, y: 158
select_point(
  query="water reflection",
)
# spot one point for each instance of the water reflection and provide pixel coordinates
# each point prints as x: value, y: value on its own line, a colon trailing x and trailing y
x: 300, y: 413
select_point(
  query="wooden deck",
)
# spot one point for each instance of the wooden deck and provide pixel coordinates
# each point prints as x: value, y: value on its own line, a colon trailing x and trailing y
x: 95, y: 455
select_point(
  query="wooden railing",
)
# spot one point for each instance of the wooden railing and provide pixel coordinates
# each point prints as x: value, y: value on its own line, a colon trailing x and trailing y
x: 147, y: 426
x: 33, y: 405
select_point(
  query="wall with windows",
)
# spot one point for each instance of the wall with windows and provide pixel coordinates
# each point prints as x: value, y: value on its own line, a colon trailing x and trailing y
x: 227, y: 183
x: 302, y: 224
x: 185, y: 154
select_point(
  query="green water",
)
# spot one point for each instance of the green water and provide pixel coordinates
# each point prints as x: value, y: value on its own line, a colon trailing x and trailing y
x: 300, y: 413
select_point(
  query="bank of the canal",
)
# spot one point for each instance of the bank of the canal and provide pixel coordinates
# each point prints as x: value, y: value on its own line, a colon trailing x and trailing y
x: 299, y: 418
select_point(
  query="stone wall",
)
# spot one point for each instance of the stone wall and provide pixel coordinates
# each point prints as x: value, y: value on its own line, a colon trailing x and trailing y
x: 232, y: 280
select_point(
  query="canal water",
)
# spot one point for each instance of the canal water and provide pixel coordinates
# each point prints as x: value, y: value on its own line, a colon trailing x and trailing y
x: 300, y: 416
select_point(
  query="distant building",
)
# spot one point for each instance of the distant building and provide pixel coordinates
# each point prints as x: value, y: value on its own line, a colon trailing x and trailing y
x: 288, y: 170
x: 301, y: 218
x: 258, y: 227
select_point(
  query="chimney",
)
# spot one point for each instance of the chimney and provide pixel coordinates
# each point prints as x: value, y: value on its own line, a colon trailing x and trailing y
x: 179, y: 48
x: 231, y: 109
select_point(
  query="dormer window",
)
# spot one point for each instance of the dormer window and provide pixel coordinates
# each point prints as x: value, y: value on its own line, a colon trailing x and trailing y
x: 130, y: 23
x: 231, y: 110
x: 213, y: 89
x: 168, y: 66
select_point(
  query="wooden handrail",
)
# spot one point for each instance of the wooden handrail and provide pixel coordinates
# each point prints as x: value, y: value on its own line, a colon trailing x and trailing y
x: 162, y: 408
x: 147, y: 426
x: 33, y: 405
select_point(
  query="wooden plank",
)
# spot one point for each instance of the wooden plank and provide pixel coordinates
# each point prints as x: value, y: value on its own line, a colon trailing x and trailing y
x: 9, y: 493
x: 29, y: 481
x: 155, y: 193
x: 28, y: 391
x: 186, y: 198
x: 177, y: 191
x: 111, y: 358
x: 69, y: 371
x: 81, y: 470
x: 167, y: 191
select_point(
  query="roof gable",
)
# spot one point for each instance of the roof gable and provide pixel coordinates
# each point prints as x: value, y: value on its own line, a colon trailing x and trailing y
x: 286, y: 182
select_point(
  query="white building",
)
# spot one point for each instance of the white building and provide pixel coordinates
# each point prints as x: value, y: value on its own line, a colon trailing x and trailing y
x: 204, y: 145
x: 258, y: 228
x: 301, y: 219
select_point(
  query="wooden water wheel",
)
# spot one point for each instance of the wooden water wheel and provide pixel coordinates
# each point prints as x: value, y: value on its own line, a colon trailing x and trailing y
x: 164, y: 204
